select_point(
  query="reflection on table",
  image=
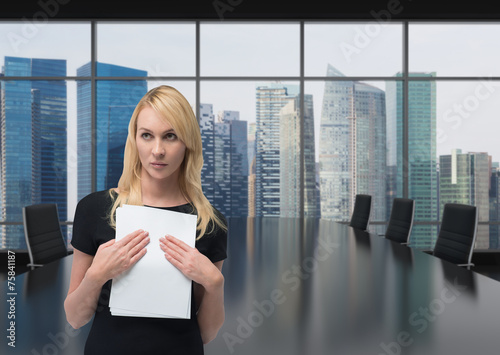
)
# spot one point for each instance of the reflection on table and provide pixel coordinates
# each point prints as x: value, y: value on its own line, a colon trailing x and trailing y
x: 304, y: 286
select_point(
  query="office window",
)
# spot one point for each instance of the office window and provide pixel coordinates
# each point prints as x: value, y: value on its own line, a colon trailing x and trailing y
x: 352, y: 150
x: 251, y: 141
x: 354, y: 49
x: 455, y: 49
x: 36, y: 161
x: 159, y: 49
x: 361, y: 124
x: 66, y: 42
x: 468, y: 154
x: 251, y: 49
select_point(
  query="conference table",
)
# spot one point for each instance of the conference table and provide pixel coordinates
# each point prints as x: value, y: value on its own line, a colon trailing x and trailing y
x: 301, y: 286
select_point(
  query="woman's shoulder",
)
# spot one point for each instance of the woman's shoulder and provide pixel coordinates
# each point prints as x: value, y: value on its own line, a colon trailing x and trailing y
x: 96, y: 200
x: 97, y: 196
x: 219, y: 215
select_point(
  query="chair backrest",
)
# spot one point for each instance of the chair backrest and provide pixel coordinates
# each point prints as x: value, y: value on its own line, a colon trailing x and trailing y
x: 361, y: 212
x: 43, y: 234
x: 401, y: 220
x: 457, y: 234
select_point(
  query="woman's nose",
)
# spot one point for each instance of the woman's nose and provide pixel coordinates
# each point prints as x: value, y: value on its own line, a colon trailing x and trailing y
x: 158, y: 148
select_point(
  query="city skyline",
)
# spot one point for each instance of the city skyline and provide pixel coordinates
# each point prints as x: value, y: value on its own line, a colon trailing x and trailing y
x: 33, y: 120
x: 463, y: 107
x: 315, y: 103
x: 356, y: 102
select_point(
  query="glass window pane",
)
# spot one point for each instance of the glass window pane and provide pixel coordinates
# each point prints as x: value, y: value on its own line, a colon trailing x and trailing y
x: 250, y: 134
x: 59, y: 48
x: 156, y: 49
x: 455, y: 49
x: 116, y: 101
x: 249, y: 49
x: 468, y: 151
x: 357, y: 49
x: 422, y: 162
x: 350, y: 140
x: 33, y: 141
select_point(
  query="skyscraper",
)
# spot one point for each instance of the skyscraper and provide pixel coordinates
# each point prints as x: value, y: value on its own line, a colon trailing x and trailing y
x: 290, y: 141
x: 115, y: 103
x: 231, y: 165
x: 207, y: 130
x: 33, y: 142
x: 422, y: 161
x: 251, y: 168
x: 465, y: 178
x: 495, y: 206
x: 352, y: 153
x: 269, y: 101
x: 224, y: 176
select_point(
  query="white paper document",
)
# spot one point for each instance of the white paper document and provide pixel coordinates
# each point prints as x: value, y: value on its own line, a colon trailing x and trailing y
x: 153, y: 287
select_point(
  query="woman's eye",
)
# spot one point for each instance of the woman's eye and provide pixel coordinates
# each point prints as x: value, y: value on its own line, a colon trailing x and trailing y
x: 170, y: 136
x: 146, y: 135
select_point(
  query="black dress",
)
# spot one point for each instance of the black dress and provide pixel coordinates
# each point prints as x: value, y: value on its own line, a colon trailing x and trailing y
x: 111, y: 335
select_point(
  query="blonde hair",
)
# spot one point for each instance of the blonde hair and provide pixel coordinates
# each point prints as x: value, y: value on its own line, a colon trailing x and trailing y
x: 173, y: 107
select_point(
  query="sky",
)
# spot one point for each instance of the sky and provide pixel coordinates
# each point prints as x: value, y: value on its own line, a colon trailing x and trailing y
x: 467, y: 110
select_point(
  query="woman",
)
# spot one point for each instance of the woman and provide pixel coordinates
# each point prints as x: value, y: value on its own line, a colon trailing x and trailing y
x: 162, y: 167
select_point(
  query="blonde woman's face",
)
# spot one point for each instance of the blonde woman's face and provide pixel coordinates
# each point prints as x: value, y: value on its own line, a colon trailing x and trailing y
x: 160, y: 150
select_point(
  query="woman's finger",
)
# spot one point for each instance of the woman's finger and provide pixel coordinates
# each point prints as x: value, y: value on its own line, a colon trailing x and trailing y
x: 177, y: 242
x: 141, y: 245
x: 131, y: 236
x: 171, y: 249
x: 138, y: 256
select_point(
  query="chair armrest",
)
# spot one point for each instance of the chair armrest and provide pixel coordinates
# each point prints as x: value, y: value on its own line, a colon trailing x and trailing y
x: 468, y: 264
x: 34, y: 265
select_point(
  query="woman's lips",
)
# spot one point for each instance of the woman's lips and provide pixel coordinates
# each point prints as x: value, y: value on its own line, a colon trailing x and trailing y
x: 158, y: 165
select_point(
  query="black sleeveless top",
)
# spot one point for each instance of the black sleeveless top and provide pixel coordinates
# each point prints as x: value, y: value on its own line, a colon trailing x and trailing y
x: 111, y: 335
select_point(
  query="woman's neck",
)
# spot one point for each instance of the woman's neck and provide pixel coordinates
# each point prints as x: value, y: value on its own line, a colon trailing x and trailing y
x: 161, y: 193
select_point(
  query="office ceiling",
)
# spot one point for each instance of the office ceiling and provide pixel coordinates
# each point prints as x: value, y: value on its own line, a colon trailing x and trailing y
x: 227, y: 10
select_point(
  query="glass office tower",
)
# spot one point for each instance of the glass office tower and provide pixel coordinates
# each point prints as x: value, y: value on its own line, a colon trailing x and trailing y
x: 115, y: 103
x: 231, y: 164
x: 352, y: 145
x: 270, y: 99
x: 33, y: 142
x: 422, y: 159
x: 207, y: 129
x: 494, y: 205
x: 290, y: 138
x: 465, y: 178
x: 224, y: 176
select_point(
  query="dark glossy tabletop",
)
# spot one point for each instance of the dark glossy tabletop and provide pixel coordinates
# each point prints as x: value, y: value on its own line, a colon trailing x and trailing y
x: 305, y: 287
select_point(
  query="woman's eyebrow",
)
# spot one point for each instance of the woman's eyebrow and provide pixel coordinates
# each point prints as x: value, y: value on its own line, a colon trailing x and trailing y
x: 150, y: 131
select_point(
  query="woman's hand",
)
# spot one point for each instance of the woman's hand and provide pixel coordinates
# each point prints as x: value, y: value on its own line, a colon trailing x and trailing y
x: 114, y: 257
x: 191, y: 263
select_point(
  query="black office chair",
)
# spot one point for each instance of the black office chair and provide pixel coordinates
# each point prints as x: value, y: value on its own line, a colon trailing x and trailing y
x: 361, y: 213
x: 43, y: 234
x: 457, y: 234
x: 401, y: 220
